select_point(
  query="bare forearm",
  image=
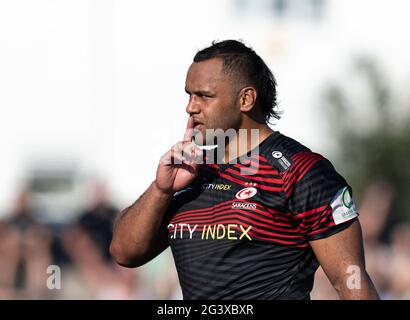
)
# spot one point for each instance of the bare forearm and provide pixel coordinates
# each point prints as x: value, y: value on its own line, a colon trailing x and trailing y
x: 137, y: 233
x: 140, y: 233
x: 363, y: 289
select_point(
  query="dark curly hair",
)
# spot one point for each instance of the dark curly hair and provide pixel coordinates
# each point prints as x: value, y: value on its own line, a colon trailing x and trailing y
x: 251, y: 70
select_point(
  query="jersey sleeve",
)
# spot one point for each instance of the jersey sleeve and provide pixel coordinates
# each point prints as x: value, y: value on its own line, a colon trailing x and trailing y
x: 320, y: 200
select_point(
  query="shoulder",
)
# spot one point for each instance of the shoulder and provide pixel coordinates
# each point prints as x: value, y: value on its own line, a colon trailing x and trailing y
x: 300, y: 167
x: 290, y: 157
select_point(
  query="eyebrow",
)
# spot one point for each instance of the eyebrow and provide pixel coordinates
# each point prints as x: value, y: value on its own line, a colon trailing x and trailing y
x: 199, y: 92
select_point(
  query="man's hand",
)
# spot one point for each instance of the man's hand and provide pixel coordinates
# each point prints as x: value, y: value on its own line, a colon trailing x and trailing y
x: 141, y: 233
x: 178, y: 167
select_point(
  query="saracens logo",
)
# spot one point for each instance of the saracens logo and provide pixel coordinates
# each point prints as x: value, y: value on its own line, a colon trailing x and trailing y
x: 246, y: 193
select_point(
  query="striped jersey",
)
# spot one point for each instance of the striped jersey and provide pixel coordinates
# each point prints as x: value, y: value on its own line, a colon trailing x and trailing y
x: 242, y: 230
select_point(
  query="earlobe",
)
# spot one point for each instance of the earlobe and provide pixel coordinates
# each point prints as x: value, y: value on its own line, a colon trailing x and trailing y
x: 247, y: 99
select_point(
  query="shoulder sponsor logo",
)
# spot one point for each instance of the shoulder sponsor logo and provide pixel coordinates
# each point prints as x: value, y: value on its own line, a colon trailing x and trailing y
x: 343, y: 206
x: 277, y: 154
x: 281, y: 159
x: 347, y: 199
x: 246, y: 193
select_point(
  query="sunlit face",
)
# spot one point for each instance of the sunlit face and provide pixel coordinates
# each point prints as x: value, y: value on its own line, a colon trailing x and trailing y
x: 212, y: 98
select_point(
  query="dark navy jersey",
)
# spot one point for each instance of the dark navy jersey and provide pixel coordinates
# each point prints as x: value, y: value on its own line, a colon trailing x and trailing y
x: 242, y: 231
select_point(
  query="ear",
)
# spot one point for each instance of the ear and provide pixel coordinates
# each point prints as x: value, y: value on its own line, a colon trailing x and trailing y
x: 247, y: 98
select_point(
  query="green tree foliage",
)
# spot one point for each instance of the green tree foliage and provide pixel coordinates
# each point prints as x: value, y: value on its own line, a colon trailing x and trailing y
x: 373, y: 146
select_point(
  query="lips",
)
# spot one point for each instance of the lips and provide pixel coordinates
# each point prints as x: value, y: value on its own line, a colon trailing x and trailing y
x: 197, y: 124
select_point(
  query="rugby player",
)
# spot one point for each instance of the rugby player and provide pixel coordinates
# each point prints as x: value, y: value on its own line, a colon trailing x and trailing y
x: 254, y: 229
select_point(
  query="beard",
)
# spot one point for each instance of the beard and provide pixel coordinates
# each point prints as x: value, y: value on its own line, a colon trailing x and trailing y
x: 216, y: 128
x: 205, y: 137
x: 213, y: 137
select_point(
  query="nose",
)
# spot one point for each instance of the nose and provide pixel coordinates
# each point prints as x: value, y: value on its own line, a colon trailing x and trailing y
x: 193, y: 106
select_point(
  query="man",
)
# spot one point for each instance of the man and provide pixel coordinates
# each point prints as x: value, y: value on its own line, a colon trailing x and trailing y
x: 255, y: 229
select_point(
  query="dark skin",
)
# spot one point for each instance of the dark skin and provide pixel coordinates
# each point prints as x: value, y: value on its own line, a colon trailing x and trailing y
x: 339, y: 252
x: 217, y: 101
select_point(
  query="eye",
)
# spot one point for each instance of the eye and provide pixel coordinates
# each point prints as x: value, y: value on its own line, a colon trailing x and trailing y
x: 205, y: 96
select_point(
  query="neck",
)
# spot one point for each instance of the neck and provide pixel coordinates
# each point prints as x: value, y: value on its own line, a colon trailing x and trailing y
x: 243, y: 141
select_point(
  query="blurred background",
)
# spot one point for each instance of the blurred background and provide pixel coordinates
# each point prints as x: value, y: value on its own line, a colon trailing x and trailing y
x: 92, y: 94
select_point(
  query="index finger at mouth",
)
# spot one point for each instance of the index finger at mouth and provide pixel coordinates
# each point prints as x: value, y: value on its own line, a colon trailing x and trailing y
x: 189, y: 130
x: 191, y: 151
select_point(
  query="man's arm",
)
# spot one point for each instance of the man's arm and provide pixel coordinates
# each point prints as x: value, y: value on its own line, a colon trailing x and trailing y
x: 342, y: 259
x: 139, y: 233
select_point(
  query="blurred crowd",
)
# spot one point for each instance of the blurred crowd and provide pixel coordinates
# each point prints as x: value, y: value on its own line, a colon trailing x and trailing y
x: 386, y: 244
x: 81, y: 250
x: 28, y: 246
